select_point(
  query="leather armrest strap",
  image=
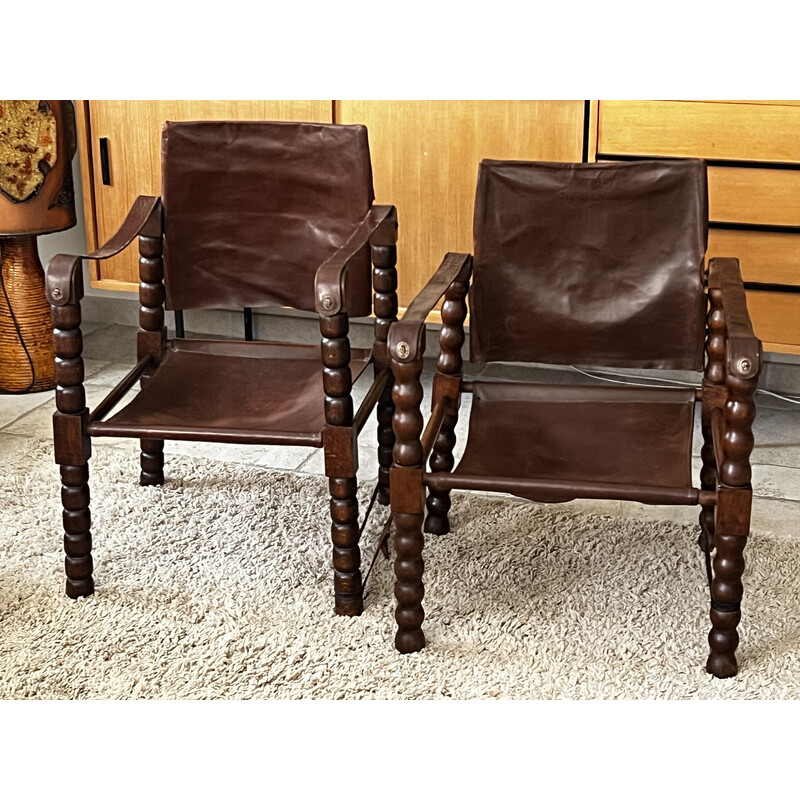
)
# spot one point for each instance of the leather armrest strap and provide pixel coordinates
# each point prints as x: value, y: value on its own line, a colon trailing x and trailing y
x: 64, y: 276
x: 378, y: 227
x: 406, y: 337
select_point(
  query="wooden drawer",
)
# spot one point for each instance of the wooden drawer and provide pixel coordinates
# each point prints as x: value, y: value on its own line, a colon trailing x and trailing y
x: 763, y: 257
x: 760, y: 196
x: 713, y: 130
x: 776, y: 320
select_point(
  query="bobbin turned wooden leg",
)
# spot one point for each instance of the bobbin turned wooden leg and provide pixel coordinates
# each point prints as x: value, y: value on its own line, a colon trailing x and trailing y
x: 152, y: 462
x: 72, y: 447
x: 152, y: 334
x: 384, y: 281
x: 708, y: 482
x: 407, y: 506
x: 732, y: 527
x: 341, y: 465
x: 714, y: 396
x: 447, y: 383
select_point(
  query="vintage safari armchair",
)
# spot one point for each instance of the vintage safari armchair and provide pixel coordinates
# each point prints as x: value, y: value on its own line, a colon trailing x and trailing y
x: 252, y: 214
x: 583, y: 264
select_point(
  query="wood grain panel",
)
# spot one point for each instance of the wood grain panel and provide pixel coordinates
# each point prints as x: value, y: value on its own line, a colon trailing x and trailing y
x: 133, y: 130
x: 776, y: 320
x: 763, y: 257
x: 738, y: 131
x: 425, y: 157
x: 763, y: 196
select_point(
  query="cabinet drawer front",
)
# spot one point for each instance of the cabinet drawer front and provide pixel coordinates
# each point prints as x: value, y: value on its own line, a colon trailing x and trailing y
x: 760, y: 196
x: 763, y: 257
x: 776, y: 319
x: 731, y: 131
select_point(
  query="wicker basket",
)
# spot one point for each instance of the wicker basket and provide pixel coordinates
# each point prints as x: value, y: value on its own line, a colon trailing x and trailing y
x: 26, y: 337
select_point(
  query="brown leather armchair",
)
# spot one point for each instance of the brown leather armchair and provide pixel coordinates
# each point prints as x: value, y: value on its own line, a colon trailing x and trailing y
x: 252, y: 214
x: 583, y: 264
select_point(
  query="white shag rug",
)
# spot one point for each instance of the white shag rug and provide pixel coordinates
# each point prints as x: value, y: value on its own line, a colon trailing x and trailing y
x: 218, y: 585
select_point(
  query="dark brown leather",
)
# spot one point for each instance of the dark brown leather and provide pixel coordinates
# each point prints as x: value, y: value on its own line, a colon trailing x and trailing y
x: 231, y: 391
x: 63, y: 280
x: 407, y: 337
x: 252, y: 209
x: 590, y: 263
x: 565, y: 440
x: 743, y: 349
x: 64, y: 273
x: 331, y: 278
x: 143, y: 218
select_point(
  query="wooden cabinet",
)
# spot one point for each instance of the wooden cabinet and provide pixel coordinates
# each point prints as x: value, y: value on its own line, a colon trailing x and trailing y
x: 753, y: 153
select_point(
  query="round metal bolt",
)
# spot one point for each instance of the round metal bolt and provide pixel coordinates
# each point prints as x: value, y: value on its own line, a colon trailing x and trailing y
x: 57, y: 293
x: 744, y: 365
x: 402, y: 350
x: 327, y: 302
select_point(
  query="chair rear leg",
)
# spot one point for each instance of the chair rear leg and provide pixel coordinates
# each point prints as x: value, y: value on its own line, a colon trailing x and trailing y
x: 152, y: 462
x: 438, y: 503
x: 708, y: 482
x: 385, y: 443
x: 384, y: 282
x: 447, y: 384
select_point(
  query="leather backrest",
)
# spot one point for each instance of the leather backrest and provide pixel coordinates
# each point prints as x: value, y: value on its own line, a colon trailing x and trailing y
x: 594, y: 264
x: 251, y: 210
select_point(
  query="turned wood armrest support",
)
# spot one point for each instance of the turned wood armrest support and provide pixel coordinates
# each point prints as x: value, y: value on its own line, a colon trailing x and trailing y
x: 407, y: 336
x: 743, y: 349
x: 379, y: 227
x: 64, y: 275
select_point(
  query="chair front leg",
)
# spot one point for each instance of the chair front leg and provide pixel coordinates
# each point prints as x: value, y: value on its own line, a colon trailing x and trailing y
x: 72, y: 448
x: 341, y: 463
x: 408, y: 505
x: 732, y: 527
x: 447, y: 381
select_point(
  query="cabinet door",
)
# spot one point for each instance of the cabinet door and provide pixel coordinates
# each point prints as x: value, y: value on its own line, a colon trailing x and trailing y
x: 701, y: 129
x: 425, y: 157
x: 132, y: 130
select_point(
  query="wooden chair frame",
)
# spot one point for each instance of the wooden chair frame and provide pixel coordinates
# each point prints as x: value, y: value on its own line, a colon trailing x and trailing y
x: 733, y: 361
x: 74, y: 424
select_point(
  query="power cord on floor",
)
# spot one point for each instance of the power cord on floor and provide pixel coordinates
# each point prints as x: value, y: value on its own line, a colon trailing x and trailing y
x: 601, y: 376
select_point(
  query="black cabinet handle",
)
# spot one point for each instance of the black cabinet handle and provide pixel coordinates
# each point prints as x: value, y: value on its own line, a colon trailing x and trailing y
x: 104, y: 168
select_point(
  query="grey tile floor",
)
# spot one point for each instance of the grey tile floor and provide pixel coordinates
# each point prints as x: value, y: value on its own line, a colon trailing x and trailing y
x: 109, y: 352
